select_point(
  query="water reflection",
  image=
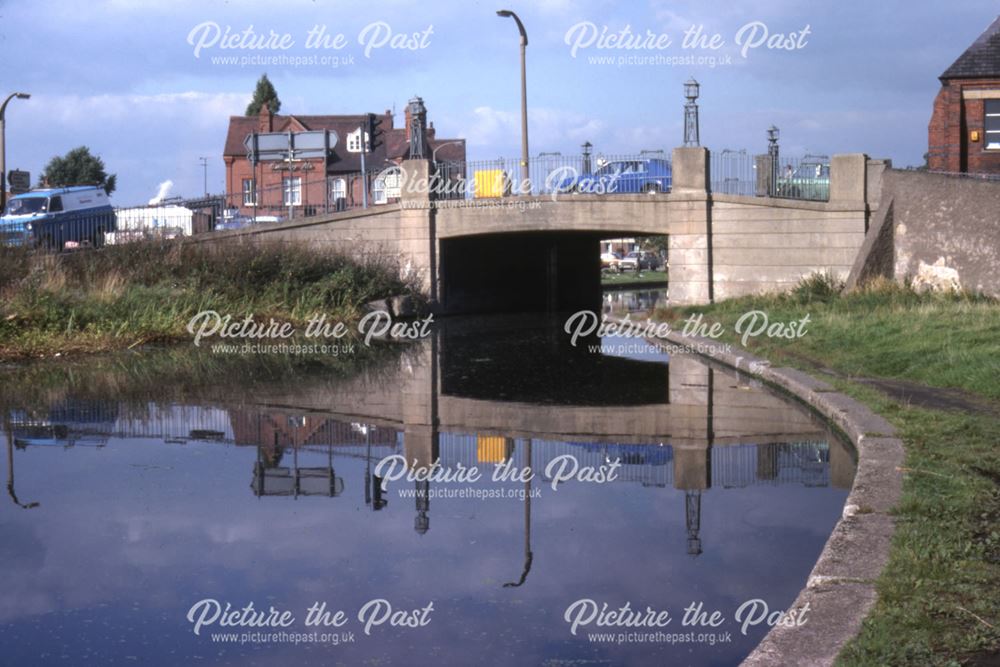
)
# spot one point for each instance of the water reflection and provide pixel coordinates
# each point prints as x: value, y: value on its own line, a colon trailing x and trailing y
x: 620, y: 302
x: 725, y: 492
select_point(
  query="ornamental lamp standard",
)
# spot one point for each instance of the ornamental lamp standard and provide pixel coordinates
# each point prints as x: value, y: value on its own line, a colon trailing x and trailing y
x: 691, y: 137
x: 506, y: 13
x: 772, y: 153
x: 587, y: 146
x: 3, y: 153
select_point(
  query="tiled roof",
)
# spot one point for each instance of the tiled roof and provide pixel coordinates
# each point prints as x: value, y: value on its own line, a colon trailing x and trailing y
x: 394, y: 147
x: 981, y: 60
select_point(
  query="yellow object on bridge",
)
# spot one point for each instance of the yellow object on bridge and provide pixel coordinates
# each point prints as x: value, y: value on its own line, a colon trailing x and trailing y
x: 492, y: 183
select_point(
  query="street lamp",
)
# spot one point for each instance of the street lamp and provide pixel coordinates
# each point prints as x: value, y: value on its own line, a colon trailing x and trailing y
x: 204, y: 166
x: 524, y: 97
x: 772, y: 153
x: 3, y: 153
x: 586, y: 156
x: 440, y: 146
x: 691, y: 137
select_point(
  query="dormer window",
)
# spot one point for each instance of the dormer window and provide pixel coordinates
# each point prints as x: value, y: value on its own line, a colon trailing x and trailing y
x: 354, y: 142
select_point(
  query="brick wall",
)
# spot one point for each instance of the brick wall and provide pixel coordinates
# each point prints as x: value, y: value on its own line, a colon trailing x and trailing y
x: 954, y: 118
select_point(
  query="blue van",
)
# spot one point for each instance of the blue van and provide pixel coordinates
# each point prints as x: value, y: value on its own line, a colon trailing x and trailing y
x: 58, y: 218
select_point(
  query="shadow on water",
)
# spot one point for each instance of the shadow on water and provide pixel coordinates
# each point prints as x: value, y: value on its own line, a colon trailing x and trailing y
x: 159, y: 479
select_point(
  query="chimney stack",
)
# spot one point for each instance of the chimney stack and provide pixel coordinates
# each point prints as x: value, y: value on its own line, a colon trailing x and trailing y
x: 265, y: 119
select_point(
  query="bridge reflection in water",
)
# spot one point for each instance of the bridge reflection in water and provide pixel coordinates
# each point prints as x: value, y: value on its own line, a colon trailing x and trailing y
x: 696, y: 429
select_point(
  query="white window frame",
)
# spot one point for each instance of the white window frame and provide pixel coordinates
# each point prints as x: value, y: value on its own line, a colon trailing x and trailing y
x: 354, y: 142
x: 338, y: 189
x: 249, y: 192
x: 381, y: 191
x: 291, y: 191
x: 991, y: 137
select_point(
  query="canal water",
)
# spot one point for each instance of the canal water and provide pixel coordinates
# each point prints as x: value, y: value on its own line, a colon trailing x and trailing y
x: 149, y: 491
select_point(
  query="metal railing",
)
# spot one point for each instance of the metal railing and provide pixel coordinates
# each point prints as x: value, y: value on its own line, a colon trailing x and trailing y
x: 805, y: 178
x: 733, y: 172
x: 176, y: 217
x: 552, y: 173
x: 738, y: 172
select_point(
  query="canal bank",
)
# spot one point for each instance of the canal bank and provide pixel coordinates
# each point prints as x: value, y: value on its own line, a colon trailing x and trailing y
x: 840, y: 590
x: 120, y: 297
x: 932, y: 607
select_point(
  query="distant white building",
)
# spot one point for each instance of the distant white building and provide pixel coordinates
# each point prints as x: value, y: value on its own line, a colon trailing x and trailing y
x: 144, y: 222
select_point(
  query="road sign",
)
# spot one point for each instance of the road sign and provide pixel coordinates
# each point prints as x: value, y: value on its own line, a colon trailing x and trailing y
x: 263, y: 146
x: 20, y: 181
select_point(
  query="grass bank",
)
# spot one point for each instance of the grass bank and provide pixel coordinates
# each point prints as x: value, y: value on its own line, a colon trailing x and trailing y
x: 123, y: 296
x: 938, y: 601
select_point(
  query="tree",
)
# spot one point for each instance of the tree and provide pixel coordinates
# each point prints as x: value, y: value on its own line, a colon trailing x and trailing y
x: 263, y: 94
x: 78, y: 167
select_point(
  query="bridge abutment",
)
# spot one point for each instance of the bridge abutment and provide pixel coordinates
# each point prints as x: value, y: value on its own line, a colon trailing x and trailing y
x: 689, y: 229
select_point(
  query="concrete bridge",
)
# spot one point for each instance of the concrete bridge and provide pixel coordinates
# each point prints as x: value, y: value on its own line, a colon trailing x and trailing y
x: 542, y: 253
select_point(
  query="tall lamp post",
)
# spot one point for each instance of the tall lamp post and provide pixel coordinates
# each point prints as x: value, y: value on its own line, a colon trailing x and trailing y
x: 204, y: 167
x: 3, y: 148
x: 525, y: 178
x: 691, y: 137
x: 772, y: 153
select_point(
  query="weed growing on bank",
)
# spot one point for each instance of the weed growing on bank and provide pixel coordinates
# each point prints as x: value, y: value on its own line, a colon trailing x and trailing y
x: 121, y: 296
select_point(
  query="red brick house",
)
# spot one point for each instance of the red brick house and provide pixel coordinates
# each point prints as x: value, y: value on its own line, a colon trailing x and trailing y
x: 315, y: 184
x: 964, y: 132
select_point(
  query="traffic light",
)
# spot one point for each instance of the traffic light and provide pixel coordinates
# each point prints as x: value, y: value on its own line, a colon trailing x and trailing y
x: 375, y: 133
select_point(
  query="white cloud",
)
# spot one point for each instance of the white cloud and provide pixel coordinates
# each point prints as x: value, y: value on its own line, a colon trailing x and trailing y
x: 548, y: 129
x: 195, y: 107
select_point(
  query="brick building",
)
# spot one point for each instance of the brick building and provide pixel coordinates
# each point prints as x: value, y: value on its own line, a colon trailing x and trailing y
x: 964, y: 132
x: 312, y: 185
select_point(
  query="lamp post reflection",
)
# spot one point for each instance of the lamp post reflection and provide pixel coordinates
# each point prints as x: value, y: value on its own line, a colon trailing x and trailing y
x: 10, y: 468
x: 528, y: 556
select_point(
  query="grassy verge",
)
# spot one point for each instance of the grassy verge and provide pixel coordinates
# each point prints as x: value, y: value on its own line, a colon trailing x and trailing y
x: 122, y: 296
x: 938, y: 601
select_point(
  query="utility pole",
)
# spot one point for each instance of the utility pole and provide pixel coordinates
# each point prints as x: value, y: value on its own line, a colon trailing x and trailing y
x: 364, y: 172
x: 204, y: 166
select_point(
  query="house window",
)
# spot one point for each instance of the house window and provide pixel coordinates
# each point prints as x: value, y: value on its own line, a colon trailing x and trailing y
x: 354, y: 142
x: 292, y: 191
x: 386, y: 186
x: 991, y: 123
x: 338, y: 189
x: 249, y: 193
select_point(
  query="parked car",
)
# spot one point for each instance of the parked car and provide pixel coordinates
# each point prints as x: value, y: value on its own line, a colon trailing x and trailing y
x: 58, y: 218
x: 610, y: 260
x: 811, y: 180
x: 650, y: 175
x: 649, y: 261
x: 629, y: 262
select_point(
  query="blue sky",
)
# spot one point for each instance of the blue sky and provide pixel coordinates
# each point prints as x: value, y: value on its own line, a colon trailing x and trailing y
x: 121, y: 76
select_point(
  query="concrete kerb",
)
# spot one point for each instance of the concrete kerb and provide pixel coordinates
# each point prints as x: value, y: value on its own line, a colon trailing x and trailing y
x: 840, y: 590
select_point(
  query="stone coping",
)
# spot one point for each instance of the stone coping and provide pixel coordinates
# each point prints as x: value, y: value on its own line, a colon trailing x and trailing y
x: 840, y: 590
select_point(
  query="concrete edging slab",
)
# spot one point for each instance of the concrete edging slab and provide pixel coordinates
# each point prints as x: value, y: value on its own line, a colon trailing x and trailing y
x: 840, y: 590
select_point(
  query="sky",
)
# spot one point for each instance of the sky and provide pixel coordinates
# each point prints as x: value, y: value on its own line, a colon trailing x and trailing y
x: 149, y: 86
